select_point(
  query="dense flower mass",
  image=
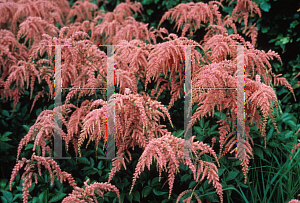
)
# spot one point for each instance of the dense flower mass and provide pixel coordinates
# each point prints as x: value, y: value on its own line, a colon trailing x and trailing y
x: 142, y: 56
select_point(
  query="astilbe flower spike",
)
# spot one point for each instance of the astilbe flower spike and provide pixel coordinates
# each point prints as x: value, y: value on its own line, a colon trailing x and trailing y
x: 136, y: 118
x: 31, y: 169
x: 294, y: 201
x: 166, y: 151
x: 80, y: 195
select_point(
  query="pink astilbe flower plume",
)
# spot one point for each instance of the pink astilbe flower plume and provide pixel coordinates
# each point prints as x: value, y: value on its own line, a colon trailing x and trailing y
x: 88, y: 194
x: 167, y: 149
x: 33, y: 167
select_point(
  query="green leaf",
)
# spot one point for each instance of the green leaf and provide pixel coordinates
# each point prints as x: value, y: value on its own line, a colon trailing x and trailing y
x: 29, y: 146
x: 231, y: 175
x: 146, y: 191
x: 294, y: 24
x: 35, y: 200
x: 24, y: 110
x: 5, y: 113
x: 129, y: 197
x: 136, y: 196
x: 83, y: 160
x: 179, y: 133
x: 288, y: 135
x: 220, y: 171
x: 86, y: 168
x: 236, y: 163
x: 7, y: 195
x: 100, y: 167
x: 291, y: 123
x: 206, y: 124
x: 4, y: 200
x: 212, y: 198
x: 155, y: 182
x: 192, y: 184
x: 201, y: 123
x: 5, y: 146
x: 159, y: 193
x: 258, y: 151
x: 26, y: 127
x: 3, y: 183
x: 213, y: 127
x: 264, y: 29
x: 285, y: 40
x: 199, y: 130
x: 149, y: 11
x: 38, y: 112
x: 57, y: 197
x: 92, y: 162
x: 185, y: 178
x: 43, y: 196
x: 270, y: 133
x: 18, y: 196
x: 265, y: 6
x: 7, y: 133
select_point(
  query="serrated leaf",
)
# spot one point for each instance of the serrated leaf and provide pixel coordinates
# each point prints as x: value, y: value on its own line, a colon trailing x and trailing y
x: 8, y: 195
x: 159, y: 193
x: 220, y: 171
x: 192, y: 184
x: 7, y: 133
x: 136, y: 196
x: 129, y: 197
x: 3, y: 183
x: 35, y: 200
x: 291, y: 123
x: 83, y: 160
x: 3, y: 199
x: 179, y: 133
x: 5, y: 146
x: 26, y: 127
x: 258, y: 151
x: 43, y: 196
x: 38, y: 112
x: 29, y: 146
x: 213, y: 127
x: 18, y: 196
x: 212, y: 198
x: 231, y: 175
x: 270, y: 133
x: 57, y: 197
x: 236, y: 163
x: 198, y: 130
x: 5, y: 113
x: 100, y: 167
x: 146, y: 191
x: 206, y: 124
x: 149, y: 11
x: 92, y: 162
x: 288, y: 135
x: 155, y: 182
x: 185, y: 178
x: 265, y: 6
x: 86, y: 168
